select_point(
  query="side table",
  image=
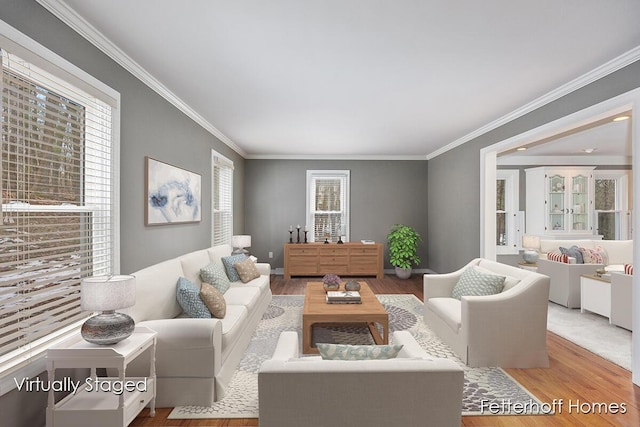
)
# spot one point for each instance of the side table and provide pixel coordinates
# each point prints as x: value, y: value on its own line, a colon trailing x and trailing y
x: 102, y: 401
x: 528, y: 266
x: 595, y: 294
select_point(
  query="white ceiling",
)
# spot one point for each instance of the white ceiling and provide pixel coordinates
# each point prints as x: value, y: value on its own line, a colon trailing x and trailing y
x: 359, y: 77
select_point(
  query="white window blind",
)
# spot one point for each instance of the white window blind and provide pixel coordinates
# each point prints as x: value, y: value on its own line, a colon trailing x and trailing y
x: 222, y: 199
x: 328, y: 204
x: 57, y: 207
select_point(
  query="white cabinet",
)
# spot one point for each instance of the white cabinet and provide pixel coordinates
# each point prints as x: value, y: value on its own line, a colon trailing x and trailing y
x: 101, y: 401
x: 560, y: 202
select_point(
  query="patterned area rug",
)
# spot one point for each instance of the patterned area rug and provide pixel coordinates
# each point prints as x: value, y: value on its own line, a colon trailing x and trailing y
x: 405, y: 313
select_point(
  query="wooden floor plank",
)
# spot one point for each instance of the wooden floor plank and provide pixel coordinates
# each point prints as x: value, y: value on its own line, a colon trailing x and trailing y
x: 575, y: 375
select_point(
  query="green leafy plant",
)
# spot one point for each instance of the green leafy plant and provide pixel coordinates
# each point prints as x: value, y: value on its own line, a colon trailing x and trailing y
x: 403, y: 246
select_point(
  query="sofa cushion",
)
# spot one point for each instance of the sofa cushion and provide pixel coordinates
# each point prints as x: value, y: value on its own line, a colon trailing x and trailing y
x: 474, y: 281
x: 247, y: 270
x: 192, y: 263
x: 228, y: 262
x: 188, y: 295
x: 358, y: 352
x: 214, y: 300
x: 573, y: 252
x: 243, y: 296
x: 603, y: 255
x: 215, y: 275
x: 449, y: 310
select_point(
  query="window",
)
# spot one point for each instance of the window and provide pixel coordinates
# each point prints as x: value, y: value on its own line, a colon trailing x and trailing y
x: 222, y: 199
x: 328, y: 205
x: 508, y: 218
x: 59, y: 210
x: 611, y: 201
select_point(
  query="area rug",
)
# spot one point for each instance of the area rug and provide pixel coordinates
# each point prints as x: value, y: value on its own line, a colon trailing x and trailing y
x: 488, y: 386
x: 591, y: 332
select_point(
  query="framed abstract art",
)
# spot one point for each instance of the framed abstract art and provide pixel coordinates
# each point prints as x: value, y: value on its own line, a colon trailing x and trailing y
x: 172, y: 195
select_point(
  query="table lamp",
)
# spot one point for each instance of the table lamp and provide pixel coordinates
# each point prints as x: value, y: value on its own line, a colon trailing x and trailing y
x: 239, y: 244
x: 107, y: 294
x: 530, y: 244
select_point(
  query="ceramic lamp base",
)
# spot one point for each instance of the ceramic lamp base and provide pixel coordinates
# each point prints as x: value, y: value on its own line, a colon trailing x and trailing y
x: 530, y: 257
x: 107, y: 328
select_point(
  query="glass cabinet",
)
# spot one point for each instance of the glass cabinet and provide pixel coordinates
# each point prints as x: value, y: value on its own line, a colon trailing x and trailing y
x: 559, y: 201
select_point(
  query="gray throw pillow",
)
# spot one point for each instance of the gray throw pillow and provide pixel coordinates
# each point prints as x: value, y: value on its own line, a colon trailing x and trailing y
x: 574, y: 252
x: 215, y: 275
x: 188, y: 295
x: 358, y: 352
x: 474, y: 282
x: 228, y: 262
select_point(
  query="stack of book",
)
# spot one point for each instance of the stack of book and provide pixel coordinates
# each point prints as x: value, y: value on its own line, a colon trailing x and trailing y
x: 343, y: 297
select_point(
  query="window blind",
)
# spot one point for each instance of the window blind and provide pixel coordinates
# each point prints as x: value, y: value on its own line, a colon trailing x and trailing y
x: 328, y: 193
x: 57, y: 204
x: 222, y: 200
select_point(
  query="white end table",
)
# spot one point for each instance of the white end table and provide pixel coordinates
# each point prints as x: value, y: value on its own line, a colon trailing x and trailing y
x: 595, y: 295
x: 101, y: 401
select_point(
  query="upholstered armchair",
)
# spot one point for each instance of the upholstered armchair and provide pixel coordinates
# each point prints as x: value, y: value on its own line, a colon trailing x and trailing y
x: 507, y: 329
x: 411, y: 390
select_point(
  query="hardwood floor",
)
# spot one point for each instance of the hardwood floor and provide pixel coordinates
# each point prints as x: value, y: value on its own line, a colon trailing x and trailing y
x: 589, y: 387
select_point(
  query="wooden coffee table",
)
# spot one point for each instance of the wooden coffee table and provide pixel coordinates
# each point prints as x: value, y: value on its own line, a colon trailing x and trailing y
x: 316, y: 311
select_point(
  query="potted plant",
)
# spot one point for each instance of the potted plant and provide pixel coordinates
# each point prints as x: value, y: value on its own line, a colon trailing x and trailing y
x: 403, y: 247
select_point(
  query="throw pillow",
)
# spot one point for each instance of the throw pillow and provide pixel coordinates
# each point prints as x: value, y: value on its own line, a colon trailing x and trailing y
x: 587, y: 256
x: 216, y: 276
x: 188, y: 296
x: 628, y: 269
x: 573, y: 252
x: 557, y: 256
x: 358, y: 352
x: 228, y: 262
x: 214, y: 300
x: 247, y: 270
x: 475, y: 282
x: 603, y: 253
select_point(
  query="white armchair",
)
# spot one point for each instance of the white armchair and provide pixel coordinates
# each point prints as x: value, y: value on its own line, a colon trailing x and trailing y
x: 621, y: 300
x: 412, y: 390
x: 508, y: 329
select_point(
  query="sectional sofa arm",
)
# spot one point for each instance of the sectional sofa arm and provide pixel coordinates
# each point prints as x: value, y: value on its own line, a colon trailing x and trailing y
x: 287, y: 346
x: 264, y: 268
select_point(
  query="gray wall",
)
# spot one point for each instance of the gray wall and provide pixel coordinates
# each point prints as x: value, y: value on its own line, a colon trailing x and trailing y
x: 450, y: 218
x: 382, y: 193
x: 150, y: 126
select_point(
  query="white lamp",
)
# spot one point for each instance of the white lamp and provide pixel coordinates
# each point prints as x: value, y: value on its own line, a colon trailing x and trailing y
x: 107, y: 294
x: 239, y: 244
x: 530, y: 244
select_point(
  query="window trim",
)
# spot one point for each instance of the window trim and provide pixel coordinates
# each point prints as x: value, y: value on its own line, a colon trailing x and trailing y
x: 345, y: 176
x: 513, y: 216
x: 216, y: 160
x: 623, y: 181
x: 28, y: 49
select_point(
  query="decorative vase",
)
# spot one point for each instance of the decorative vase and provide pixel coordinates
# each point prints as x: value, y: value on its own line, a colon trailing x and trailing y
x: 331, y: 282
x: 351, y: 286
x: 403, y: 273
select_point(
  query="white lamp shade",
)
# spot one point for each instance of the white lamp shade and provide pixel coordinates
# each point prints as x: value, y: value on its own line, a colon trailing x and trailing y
x: 241, y: 241
x: 104, y: 293
x: 531, y: 242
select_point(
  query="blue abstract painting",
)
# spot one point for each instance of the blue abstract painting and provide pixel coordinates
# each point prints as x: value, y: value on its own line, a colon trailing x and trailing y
x: 173, y: 195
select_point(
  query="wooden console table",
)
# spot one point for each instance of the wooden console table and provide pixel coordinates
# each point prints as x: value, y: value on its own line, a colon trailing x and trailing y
x: 347, y: 259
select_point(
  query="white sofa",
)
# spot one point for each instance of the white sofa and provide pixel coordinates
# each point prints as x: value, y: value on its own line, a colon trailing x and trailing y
x: 565, y: 277
x: 621, y: 300
x: 508, y: 329
x: 195, y: 358
x: 412, y: 390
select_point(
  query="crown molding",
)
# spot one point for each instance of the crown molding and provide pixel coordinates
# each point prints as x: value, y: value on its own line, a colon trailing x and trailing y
x: 67, y: 15
x: 605, y: 69
x: 333, y: 157
x: 578, y: 160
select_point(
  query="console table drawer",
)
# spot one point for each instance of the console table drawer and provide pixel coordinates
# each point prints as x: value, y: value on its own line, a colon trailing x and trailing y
x: 317, y: 259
